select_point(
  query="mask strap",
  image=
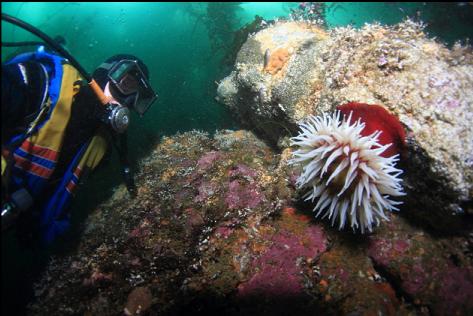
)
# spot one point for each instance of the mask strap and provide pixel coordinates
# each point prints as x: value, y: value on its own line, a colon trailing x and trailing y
x: 106, y: 66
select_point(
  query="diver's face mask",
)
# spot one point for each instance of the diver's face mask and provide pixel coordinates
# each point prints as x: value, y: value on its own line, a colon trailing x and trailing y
x: 128, y: 79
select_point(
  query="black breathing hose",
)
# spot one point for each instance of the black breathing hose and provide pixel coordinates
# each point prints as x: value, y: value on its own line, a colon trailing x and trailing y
x: 20, y: 44
x: 57, y: 47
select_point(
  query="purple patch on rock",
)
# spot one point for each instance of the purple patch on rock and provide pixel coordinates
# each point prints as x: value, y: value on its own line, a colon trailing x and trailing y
x: 456, y: 291
x: 223, y: 231
x: 293, y: 178
x: 206, y: 190
x: 278, y: 270
x: 343, y: 274
x: 244, y: 171
x: 384, y: 251
x: 431, y: 279
x: 379, y: 251
x: 139, y: 232
x: 207, y: 160
x: 243, y: 196
x: 401, y: 246
x: 186, y: 163
x: 451, y: 103
x: 415, y: 281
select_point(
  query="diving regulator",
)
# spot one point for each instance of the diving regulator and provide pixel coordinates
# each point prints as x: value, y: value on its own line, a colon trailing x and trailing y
x: 117, y: 116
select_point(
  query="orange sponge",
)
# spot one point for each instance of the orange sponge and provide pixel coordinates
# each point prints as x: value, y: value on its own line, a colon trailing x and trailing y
x: 277, y: 60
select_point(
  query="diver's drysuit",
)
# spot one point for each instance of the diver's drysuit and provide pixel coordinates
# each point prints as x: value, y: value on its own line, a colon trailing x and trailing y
x: 50, y: 139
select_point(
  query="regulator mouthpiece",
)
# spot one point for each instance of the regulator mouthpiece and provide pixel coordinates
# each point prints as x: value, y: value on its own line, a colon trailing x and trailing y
x: 117, y: 116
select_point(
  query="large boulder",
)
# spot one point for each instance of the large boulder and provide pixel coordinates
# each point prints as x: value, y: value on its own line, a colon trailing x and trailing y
x: 292, y: 69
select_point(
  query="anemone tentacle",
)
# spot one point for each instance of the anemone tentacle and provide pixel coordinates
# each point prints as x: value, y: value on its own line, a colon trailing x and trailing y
x: 345, y: 171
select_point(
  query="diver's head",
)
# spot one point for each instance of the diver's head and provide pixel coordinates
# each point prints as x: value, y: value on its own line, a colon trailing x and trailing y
x: 125, y: 78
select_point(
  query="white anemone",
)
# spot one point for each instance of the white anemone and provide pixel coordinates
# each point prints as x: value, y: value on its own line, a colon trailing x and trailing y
x: 345, y: 172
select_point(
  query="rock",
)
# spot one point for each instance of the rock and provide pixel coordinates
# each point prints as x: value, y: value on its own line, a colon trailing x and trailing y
x: 426, y: 85
x: 194, y: 221
x: 268, y: 263
x: 278, y: 60
x: 216, y: 230
x: 139, y: 301
x: 206, y: 161
x: 348, y: 279
x: 277, y: 272
x: 422, y: 269
x: 191, y: 188
x: 263, y: 98
x: 240, y: 196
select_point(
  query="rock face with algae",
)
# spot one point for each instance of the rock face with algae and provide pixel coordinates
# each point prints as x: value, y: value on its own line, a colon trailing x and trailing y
x: 215, y: 228
x: 428, y: 86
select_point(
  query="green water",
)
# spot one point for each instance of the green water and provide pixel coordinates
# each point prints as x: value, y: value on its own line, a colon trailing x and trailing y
x: 183, y: 45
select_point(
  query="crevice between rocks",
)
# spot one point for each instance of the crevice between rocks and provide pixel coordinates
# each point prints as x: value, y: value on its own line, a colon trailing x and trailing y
x: 395, y: 284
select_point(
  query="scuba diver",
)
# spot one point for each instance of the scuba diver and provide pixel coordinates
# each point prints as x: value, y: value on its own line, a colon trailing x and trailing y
x: 57, y: 124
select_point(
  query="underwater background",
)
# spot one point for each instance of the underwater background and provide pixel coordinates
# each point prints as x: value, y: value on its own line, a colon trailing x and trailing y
x: 188, y: 48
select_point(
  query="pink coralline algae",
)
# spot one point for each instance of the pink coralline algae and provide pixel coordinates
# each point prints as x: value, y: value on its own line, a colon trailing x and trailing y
x: 343, y: 275
x: 427, y: 278
x: 243, y: 191
x: 241, y: 196
x: 445, y: 287
x: 415, y: 282
x: 224, y: 231
x: 139, y: 232
x: 449, y: 104
x: 278, y: 270
x: 244, y: 171
x: 382, y: 250
x: 207, y: 160
x: 206, y: 190
x: 400, y: 246
x: 456, y: 290
x: 293, y: 178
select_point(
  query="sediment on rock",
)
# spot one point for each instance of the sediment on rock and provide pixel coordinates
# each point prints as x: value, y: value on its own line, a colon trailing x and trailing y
x: 428, y: 86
